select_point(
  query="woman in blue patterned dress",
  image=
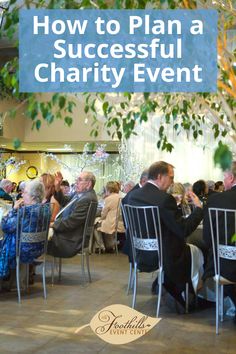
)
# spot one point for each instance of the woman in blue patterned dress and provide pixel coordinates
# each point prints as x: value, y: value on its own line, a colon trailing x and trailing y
x: 33, y: 194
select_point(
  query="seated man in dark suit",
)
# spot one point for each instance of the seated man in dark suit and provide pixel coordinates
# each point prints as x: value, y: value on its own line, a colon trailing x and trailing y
x: 176, y: 252
x: 127, y: 249
x: 224, y: 200
x: 69, y: 223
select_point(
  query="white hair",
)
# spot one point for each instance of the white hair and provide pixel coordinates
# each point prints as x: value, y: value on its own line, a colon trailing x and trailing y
x: 5, y: 183
x: 211, y: 184
x: 36, y: 190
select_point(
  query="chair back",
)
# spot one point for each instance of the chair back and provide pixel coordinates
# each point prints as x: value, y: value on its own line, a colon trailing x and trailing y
x: 118, y: 213
x: 223, y: 228
x: 124, y: 216
x: 32, y: 228
x: 144, y: 226
x: 117, y: 219
x: 89, y: 224
x: 127, y: 233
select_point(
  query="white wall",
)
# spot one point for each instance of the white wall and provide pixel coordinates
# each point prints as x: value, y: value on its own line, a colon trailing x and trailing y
x: 192, y: 160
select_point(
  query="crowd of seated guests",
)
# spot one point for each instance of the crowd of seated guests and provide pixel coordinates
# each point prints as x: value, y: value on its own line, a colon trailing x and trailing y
x: 70, y: 206
x: 67, y: 224
x: 208, y: 193
x: 203, y: 189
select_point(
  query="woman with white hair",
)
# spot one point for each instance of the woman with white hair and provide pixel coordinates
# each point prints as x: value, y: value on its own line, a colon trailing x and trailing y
x: 33, y: 194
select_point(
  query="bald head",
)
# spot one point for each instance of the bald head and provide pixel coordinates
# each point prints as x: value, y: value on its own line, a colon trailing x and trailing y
x: 85, y: 182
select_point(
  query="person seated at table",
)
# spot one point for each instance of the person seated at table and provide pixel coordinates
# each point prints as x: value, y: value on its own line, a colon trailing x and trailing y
x: 224, y: 200
x: 210, y: 187
x: 219, y: 186
x: 107, y: 223
x: 188, y: 187
x: 69, y: 223
x: 48, y: 180
x: 127, y: 187
x: 127, y: 249
x: 13, y: 188
x: 33, y: 194
x: 177, y: 260
x: 5, y: 190
x: 201, y: 190
x: 65, y: 187
x: 178, y: 192
x: 19, y: 189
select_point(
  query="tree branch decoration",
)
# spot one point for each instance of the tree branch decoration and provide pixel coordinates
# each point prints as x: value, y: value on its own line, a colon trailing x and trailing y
x: 84, y: 160
x: 12, y: 163
x: 127, y: 165
x: 120, y: 114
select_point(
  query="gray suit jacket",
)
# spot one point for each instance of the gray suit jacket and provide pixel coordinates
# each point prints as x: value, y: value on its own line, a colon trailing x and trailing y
x: 68, y: 229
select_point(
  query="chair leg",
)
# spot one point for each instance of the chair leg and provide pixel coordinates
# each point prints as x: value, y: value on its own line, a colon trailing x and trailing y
x: 44, y: 279
x: 116, y: 245
x: 159, y: 292
x: 217, y: 307
x: 186, y: 297
x: 82, y: 268
x: 26, y: 277
x: 91, y: 242
x: 97, y: 241
x: 135, y: 285
x: 221, y: 303
x: 130, y: 277
x: 18, y: 278
x: 59, y: 269
x: 88, y: 267
x: 52, y: 270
